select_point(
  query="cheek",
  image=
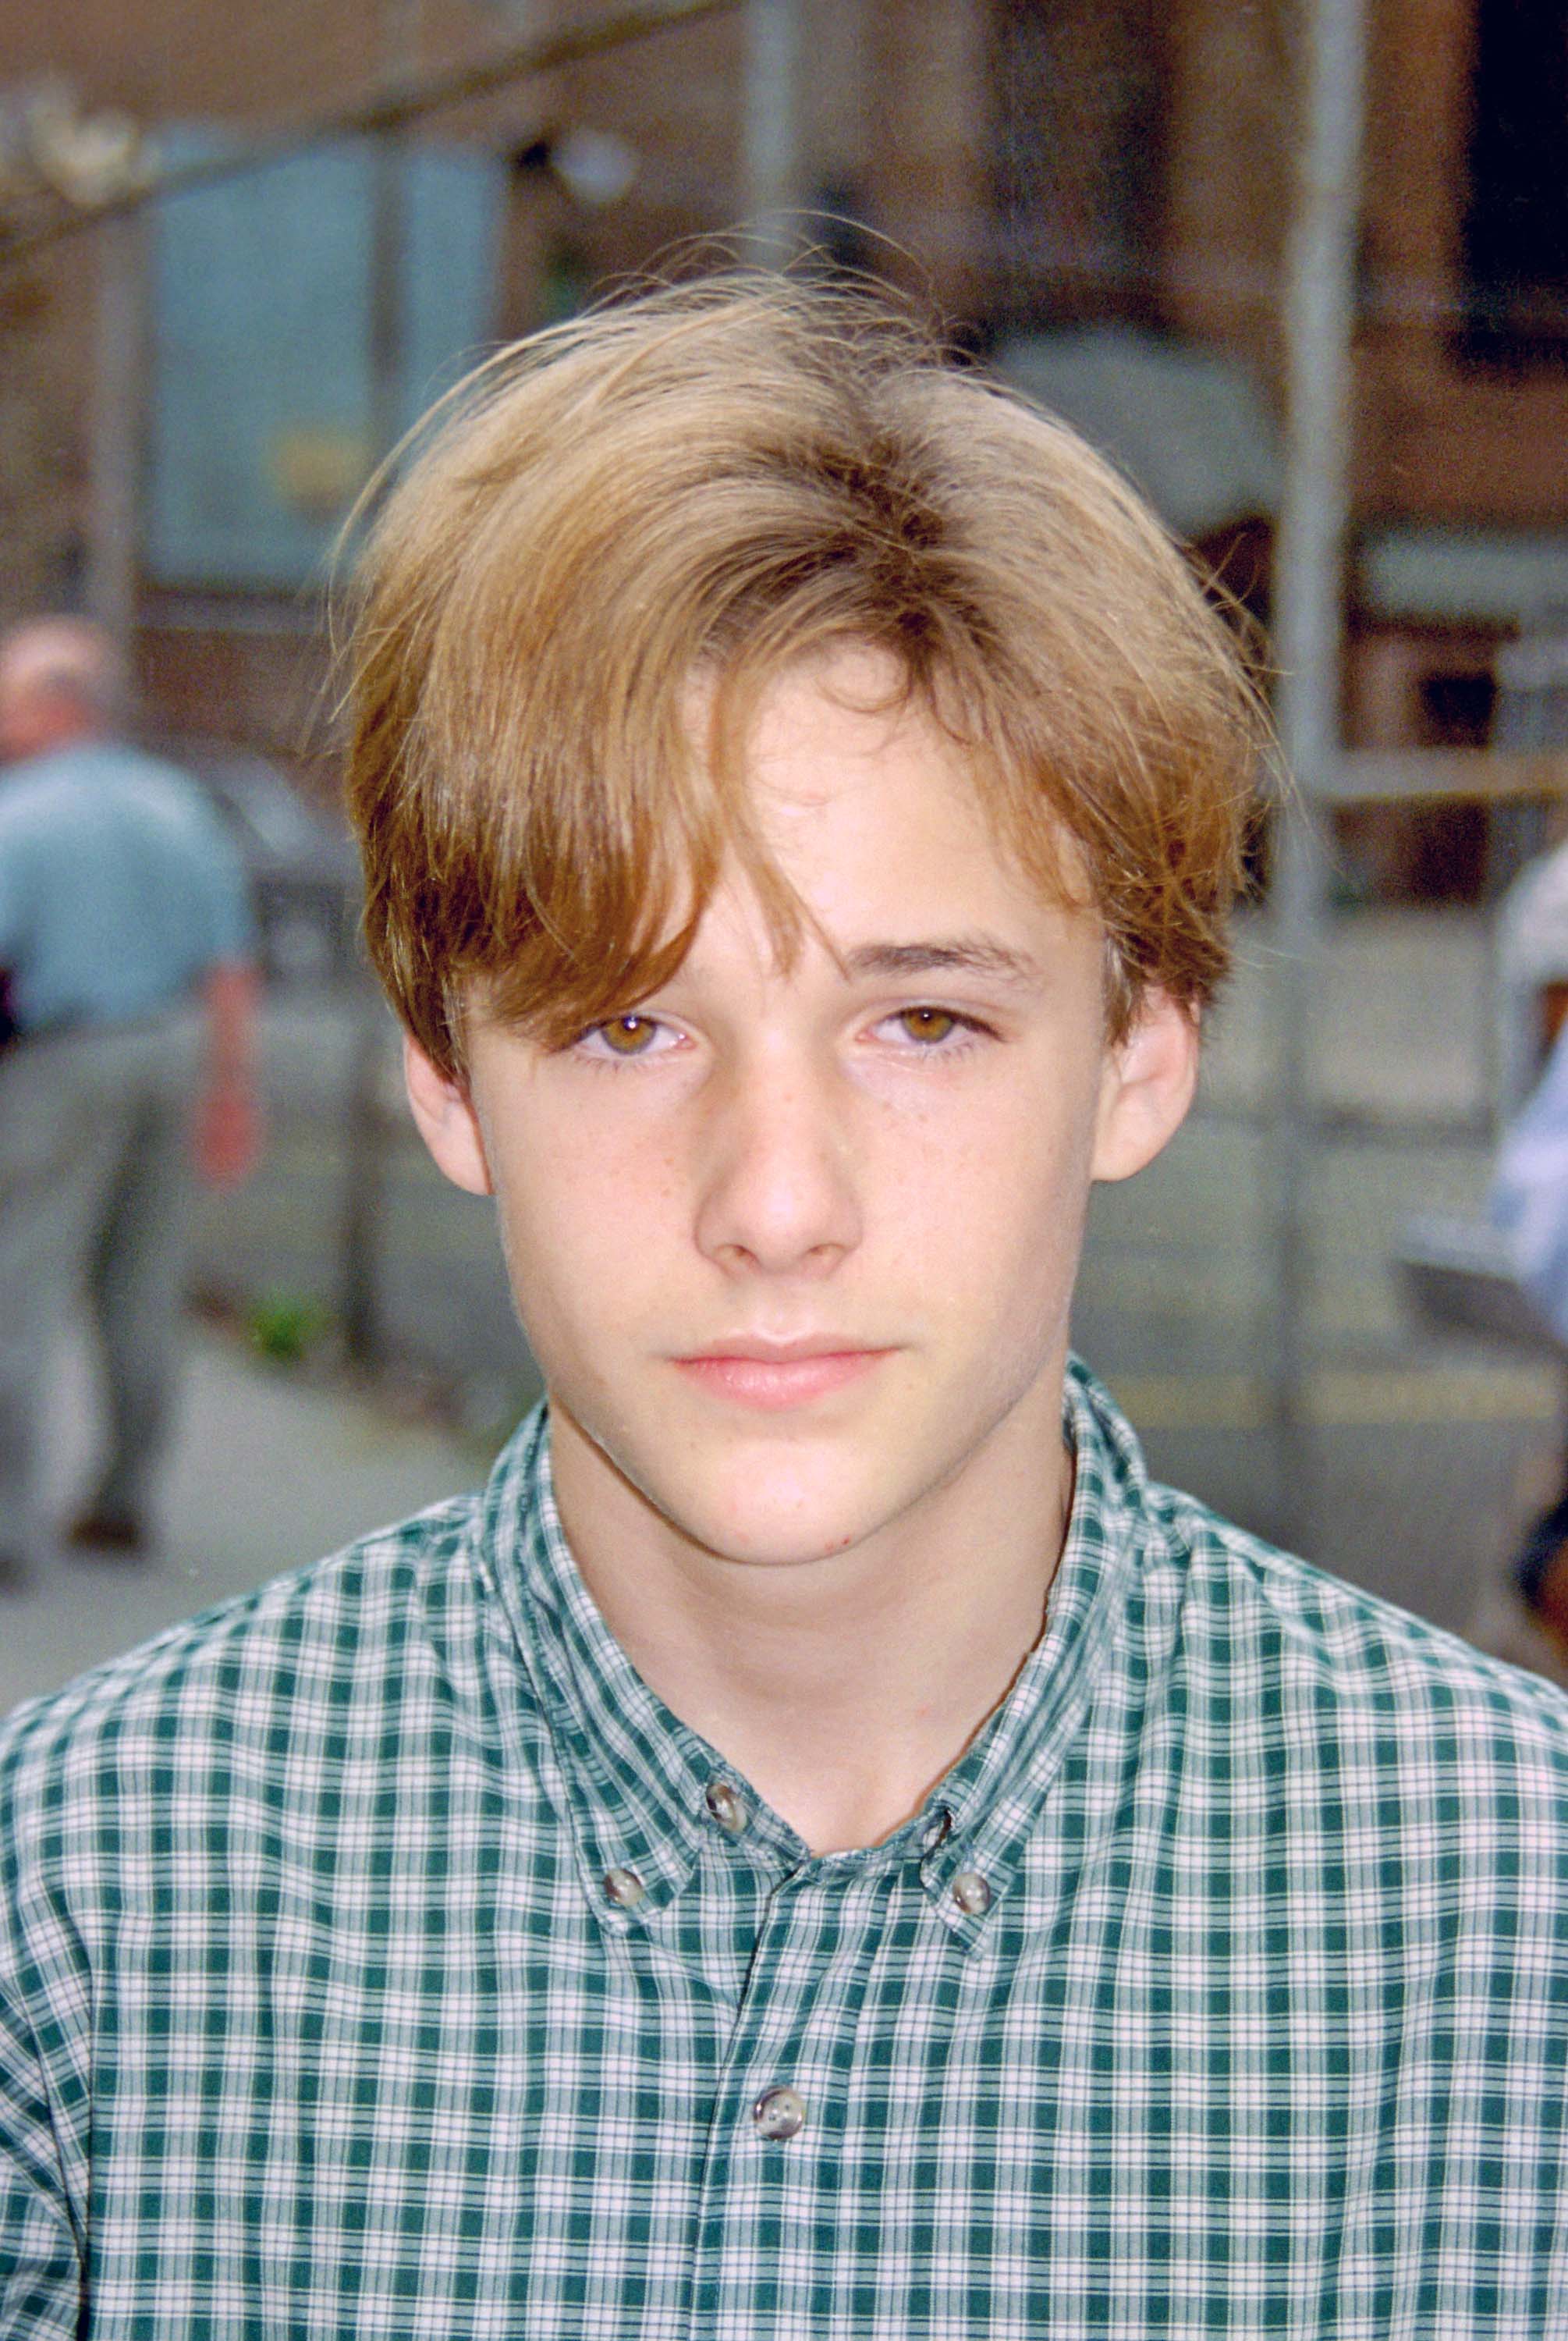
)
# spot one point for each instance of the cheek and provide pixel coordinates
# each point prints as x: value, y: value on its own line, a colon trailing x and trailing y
x: 1004, y: 1182
x: 583, y: 1219
x: 1008, y: 1254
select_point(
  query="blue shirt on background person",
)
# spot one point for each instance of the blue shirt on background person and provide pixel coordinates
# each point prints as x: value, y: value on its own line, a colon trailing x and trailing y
x: 119, y: 886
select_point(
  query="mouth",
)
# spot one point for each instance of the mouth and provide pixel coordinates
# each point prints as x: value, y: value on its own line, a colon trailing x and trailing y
x: 777, y: 1374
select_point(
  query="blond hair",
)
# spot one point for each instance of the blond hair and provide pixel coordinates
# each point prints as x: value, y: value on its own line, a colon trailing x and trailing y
x: 713, y: 481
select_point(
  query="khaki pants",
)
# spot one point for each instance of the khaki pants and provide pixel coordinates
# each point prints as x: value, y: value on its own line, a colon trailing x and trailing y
x: 95, y: 1201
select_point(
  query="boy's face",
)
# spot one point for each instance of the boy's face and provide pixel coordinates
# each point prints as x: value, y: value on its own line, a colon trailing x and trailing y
x: 795, y: 1250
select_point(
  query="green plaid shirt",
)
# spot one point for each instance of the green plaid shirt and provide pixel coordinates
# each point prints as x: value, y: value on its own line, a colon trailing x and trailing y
x: 379, y: 1957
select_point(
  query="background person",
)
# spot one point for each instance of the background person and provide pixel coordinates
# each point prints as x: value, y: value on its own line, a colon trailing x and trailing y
x: 125, y: 944
x: 1528, y: 1202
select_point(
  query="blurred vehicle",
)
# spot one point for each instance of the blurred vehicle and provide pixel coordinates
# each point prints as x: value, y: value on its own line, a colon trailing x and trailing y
x: 301, y: 862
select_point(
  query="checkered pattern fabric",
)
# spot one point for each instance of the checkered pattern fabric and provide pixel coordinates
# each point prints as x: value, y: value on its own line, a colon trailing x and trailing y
x: 379, y: 1957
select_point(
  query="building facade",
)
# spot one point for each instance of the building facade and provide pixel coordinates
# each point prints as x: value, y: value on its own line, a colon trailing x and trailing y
x: 1100, y: 185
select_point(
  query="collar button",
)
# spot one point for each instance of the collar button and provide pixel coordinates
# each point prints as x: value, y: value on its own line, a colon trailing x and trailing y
x: 726, y: 1806
x: 624, y: 1888
x: 971, y: 1892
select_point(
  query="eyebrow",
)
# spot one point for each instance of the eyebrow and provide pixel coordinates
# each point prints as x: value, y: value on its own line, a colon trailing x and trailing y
x: 956, y: 955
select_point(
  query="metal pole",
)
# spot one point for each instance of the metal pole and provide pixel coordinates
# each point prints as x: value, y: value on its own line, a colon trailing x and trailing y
x: 769, y: 131
x: 365, y: 1136
x: 1319, y: 306
x: 115, y: 430
x: 389, y: 231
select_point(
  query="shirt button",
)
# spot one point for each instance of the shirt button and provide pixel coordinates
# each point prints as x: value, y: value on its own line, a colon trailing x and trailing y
x: 971, y: 1892
x: 727, y: 1804
x: 624, y: 1888
x: 779, y: 2113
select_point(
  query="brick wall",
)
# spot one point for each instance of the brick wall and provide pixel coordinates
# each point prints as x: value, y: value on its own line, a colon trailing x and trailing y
x: 897, y: 117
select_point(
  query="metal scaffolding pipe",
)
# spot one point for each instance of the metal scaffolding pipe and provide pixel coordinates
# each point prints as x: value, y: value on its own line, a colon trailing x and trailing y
x: 114, y: 428
x: 770, y: 137
x: 365, y: 1133
x: 1319, y: 314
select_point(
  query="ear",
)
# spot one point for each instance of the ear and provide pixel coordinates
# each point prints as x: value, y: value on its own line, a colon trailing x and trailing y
x: 1146, y: 1087
x: 443, y: 1113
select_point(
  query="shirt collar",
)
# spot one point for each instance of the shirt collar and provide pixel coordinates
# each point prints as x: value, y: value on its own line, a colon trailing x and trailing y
x: 643, y: 1791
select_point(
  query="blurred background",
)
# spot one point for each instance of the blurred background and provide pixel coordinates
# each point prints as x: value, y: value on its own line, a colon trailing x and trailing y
x: 1299, y: 266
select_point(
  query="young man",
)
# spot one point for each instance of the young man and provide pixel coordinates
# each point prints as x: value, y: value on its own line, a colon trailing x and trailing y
x: 820, y: 1845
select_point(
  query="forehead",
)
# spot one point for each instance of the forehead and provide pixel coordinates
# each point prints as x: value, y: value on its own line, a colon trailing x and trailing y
x: 840, y: 750
x: 53, y: 654
x: 881, y: 827
x: 849, y: 715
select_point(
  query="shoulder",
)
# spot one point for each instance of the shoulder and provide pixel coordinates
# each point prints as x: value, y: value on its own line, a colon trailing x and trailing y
x: 92, y: 779
x: 1281, y: 1653
x: 153, y: 786
x: 1359, y: 1684
x: 31, y: 794
x: 313, y: 1665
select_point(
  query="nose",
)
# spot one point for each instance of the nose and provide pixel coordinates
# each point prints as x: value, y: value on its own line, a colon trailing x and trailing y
x: 777, y: 1191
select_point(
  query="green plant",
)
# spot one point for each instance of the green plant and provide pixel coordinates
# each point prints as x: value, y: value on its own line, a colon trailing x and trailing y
x: 287, y: 1326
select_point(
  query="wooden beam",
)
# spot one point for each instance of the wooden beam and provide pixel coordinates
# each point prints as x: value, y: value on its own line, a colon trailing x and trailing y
x: 1365, y: 776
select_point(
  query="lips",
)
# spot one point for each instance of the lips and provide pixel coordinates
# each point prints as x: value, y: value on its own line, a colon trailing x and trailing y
x: 775, y: 1374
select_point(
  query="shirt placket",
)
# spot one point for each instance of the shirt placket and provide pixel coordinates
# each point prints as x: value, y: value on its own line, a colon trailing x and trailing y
x: 769, y: 2190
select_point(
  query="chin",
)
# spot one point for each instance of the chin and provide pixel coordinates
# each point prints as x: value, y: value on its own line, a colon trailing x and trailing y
x: 782, y: 1519
x: 766, y: 1541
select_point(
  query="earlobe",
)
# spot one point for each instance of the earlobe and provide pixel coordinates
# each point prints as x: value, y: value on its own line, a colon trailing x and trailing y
x: 1147, y: 1087
x: 445, y: 1115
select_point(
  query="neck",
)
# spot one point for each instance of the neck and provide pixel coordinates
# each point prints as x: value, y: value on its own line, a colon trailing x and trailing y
x: 843, y: 1688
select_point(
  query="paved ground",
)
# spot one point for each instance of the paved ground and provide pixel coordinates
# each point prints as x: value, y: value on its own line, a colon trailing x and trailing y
x: 1423, y: 1456
x: 270, y: 1471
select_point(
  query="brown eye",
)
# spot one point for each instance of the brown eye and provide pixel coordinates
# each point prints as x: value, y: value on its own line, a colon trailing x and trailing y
x: 628, y: 1036
x: 929, y: 1024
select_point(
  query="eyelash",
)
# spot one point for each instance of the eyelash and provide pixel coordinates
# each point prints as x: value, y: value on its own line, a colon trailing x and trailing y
x: 966, y: 1033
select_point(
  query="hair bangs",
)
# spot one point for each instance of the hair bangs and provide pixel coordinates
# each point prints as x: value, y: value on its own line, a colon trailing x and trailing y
x: 573, y: 603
